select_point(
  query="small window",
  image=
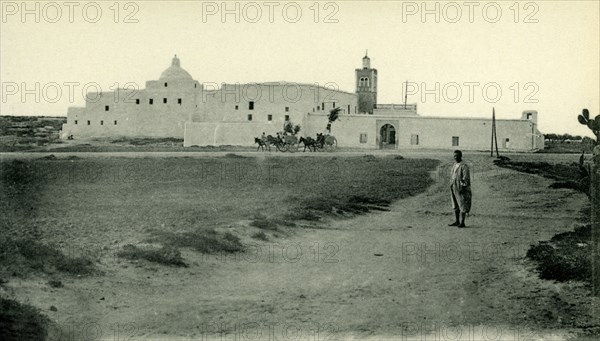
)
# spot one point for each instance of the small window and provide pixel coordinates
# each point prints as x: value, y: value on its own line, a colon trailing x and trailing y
x: 348, y: 108
x: 89, y: 122
x: 251, y: 105
x: 414, y: 139
x: 179, y: 101
x: 287, y: 117
x: 165, y: 85
x: 287, y: 109
x: 333, y: 106
x: 323, y: 106
x: 528, y: 116
x: 115, y: 122
x: 237, y: 107
x: 151, y: 101
x: 75, y: 121
x: 269, y: 118
x: 318, y: 108
x: 101, y: 123
x: 455, y: 141
x: 137, y: 101
x: 164, y: 100
x: 250, y: 117
x: 363, y: 138
x: 106, y: 107
x: 195, y: 85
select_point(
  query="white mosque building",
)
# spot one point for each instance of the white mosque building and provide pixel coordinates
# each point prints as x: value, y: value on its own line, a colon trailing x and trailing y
x: 178, y: 106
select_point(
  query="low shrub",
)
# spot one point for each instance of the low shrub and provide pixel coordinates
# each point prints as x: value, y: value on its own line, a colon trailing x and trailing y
x: 19, y: 257
x: 55, y: 283
x: 21, y: 322
x: 234, y: 156
x: 166, y: 255
x: 203, y: 240
x: 260, y: 236
x: 567, y: 256
x: 303, y: 214
x: 265, y: 224
x: 565, y: 184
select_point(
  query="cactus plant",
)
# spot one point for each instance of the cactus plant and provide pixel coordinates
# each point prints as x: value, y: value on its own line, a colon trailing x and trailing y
x: 593, y: 124
x: 593, y: 172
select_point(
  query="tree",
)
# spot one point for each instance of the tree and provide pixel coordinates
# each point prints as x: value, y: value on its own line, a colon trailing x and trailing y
x: 566, y: 137
x: 334, y: 114
x: 551, y: 137
x: 587, y: 140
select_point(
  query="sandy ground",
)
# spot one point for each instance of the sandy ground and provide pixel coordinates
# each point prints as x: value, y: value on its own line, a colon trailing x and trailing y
x: 398, y: 275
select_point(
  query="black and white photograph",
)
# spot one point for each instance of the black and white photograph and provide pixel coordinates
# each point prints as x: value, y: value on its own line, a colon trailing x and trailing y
x: 300, y: 170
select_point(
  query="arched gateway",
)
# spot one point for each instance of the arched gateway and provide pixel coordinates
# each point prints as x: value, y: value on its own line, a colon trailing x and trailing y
x: 387, y: 137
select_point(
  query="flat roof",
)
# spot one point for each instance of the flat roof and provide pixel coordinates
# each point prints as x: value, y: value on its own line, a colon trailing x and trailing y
x: 427, y: 117
x: 281, y: 83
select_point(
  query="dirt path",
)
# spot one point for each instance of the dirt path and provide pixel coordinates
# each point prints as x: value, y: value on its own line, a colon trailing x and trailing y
x: 402, y: 274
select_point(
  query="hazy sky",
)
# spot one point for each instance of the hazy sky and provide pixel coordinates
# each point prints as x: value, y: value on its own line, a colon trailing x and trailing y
x: 542, y: 55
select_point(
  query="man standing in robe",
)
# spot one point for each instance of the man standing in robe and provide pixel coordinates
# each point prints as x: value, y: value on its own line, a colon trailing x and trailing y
x: 460, y: 188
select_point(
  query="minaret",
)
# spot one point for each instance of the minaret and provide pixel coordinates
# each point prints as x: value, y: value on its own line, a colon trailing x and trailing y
x: 366, y: 86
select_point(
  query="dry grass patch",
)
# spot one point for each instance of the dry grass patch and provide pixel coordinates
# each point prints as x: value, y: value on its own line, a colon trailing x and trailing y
x: 20, y: 257
x: 166, y: 255
x: 203, y: 240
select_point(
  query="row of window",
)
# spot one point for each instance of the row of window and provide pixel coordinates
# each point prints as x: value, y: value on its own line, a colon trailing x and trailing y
x: 101, y: 122
x: 237, y: 107
x: 287, y: 109
x: 195, y: 85
x: 150, y: 101
x: 269, y: 117
x: 322, y: 107
x: 414, y: 139
x: 251, y: 107
x: 332, y: 106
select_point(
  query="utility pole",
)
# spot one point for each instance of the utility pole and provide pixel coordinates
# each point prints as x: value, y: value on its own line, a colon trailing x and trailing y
x: 493, y: 128
x: 405, y: 93
x: 494, y: 135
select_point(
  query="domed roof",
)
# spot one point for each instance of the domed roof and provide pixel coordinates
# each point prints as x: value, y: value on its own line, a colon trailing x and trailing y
x: 175, y: 72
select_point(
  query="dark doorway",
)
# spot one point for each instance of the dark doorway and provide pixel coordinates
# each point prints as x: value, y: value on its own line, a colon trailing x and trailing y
x: 387, y: 136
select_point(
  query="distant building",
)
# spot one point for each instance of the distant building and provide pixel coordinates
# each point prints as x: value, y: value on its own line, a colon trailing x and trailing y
x: 178, y: 106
